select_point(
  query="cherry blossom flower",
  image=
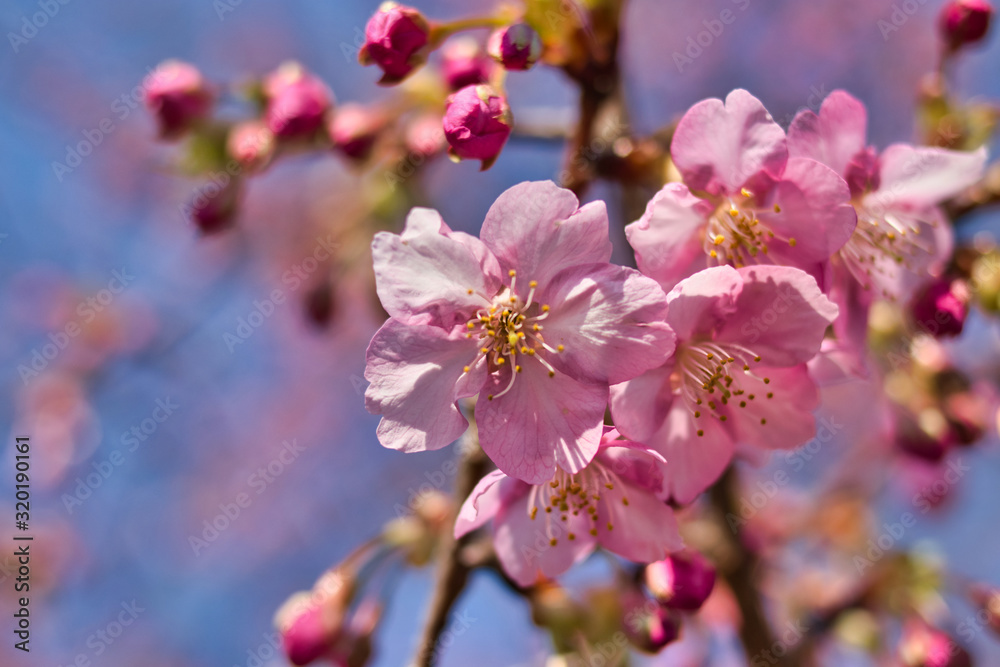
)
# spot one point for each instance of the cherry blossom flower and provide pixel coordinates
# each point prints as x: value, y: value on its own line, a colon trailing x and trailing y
x: 743, y: 201
x: 532, y: 318
x: 902, y: 238
x: 543, y: 529
x: 477, y: 124
x: 738, y: 374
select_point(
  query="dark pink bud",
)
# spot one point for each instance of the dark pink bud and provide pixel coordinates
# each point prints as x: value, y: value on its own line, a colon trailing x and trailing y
x: 964, y: 22
x: 354, y: 128
x: 863, y: 172
x: 213, y: 208
x: 516, y: 47
x: 296, y: 102
x: 307, y: 639
x: 464, y: 63
x: 681, y: 581
x: 940, y: 308
x: 394, y: 40
x: 477, y: 124
x: 924, y: 646
x: 251, y: 144
x: 649, y: 625
x: 177, y: 95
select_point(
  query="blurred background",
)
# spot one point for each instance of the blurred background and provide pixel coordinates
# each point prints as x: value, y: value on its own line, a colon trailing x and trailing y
x: 164, y: 409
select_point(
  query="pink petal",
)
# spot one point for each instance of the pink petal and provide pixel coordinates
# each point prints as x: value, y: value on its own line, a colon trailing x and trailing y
x: 919, y: 176
x: 720, y: 147
x: 815, y: 211
x: 541, y: 423
x: 610, y: 321
x: 425, y: 275
x: 481, y: 505
x: 699, y: 304
x: 667, y: 239
x: 639, y: 406
x: 926, y: 255
x: 781, y: 315
x: 693, y: 462
x: 416, y: 373
x: 643, y: 531
x: 524, y: 548
x: 835, y: 136
x: 788, y: 415
x: 537, y: 230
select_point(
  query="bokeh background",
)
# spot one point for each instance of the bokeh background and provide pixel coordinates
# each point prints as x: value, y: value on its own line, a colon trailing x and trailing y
x: 67, y: 237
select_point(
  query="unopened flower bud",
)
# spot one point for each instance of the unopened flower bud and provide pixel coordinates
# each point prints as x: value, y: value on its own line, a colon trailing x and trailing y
x: 251, y: 144
x: 424, y: 136
x: 477, y: 124
x: 321, y: 304
x: 177, y: 95
x: 464, y: 63
x: 306, y: 636
x: 296, y: 102
x: 924, y: 646
x: 394, y: 40
x: 964, y: 22
x: 353, y: 130
x: 987, y: 599
x: 863, y: 172
x: 651, y: 626
x: 940, y: 308
x: 516, y: 47
x: 681, y: 581
x: 213, y: 208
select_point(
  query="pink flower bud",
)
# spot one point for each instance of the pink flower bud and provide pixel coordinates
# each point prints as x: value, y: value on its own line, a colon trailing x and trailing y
x: 353, y: 130
x: 213, y: 208
x: 394, y: 40
x: 516, y: 47
x: 964, y: 22
x: 477, y: 124
x: 924, y: 646
x: 251, y: 144
x: 940, y: 308
x: 296, y: 102
x: 863, y: 172
x: 177, y: 95
x: 649, y: 626
x: 307, y: 638
x: 464, y: 63
x: 681, y: 581
x: 988, y: 599
x: 424, y: 136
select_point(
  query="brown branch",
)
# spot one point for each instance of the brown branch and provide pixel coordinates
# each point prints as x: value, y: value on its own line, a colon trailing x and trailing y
x: 453, y: 573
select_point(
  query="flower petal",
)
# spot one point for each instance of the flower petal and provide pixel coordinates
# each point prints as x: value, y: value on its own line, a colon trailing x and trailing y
x: 538, y: 229
x: 416, y: 374
x: 425, y: 275
x: 699, y: 304
x: 787, y: 416
x: 640, y: 405
x: 667, y: 239
x: 644, y: 531
x: 610, y: 321
x: 835, y: 136
x: 815, y: 211
x: 693, y: 462
x: 481, y: 505
x: 919, y: 176
x: 540, y: 423
x: 720, y: 147
x: 781, y: 315
x: 524, y: 545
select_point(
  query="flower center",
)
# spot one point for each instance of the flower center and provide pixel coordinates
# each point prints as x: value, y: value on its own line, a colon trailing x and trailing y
x: 510, y: 332
x: 712, y: 378
x: 881, y: 237
x: 567, y: 494
x: 734, y: 235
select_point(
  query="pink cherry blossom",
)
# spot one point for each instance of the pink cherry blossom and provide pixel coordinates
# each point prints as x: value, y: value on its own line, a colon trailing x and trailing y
x: 531, y: 317
x: 738, y: 374
x: 743, y: 201
x: 542, y: 530
x: 902, y: 238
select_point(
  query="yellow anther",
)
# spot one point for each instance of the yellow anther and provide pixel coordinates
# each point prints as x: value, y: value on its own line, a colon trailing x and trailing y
x: 700, y: 433
x: 501, y: 361
x: 713, y: 254
x: 517, y: 368
x: 719, y: 239
x: 559, y: 348
x: 512, y: 339
x: 530, y: 352
x: 792, y: 242
x: 746, y: 193
x: 471, y: 325
x: 763, y: 421
x: 777, y: 209
x: 512, y: 273
x: 465, y: 369
x: 484, y: 350
x: 533, y: 284
x: 545, y: 308
x: 552, y: 374
x: 471, y: 291
x: 733, y: 212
